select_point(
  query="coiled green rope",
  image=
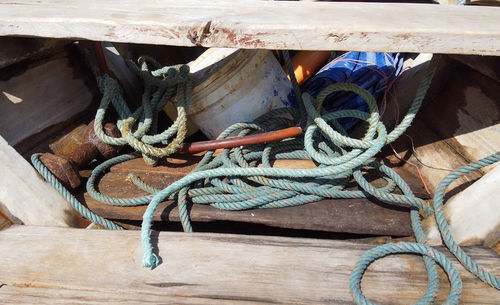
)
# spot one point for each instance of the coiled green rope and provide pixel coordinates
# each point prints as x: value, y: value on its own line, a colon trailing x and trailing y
x: 160, y: 86
x: 466, y: 261
x: 233, y: 181
x: 431, y: 254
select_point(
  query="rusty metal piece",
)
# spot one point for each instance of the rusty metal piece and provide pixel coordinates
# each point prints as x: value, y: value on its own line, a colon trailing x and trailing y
x: 62, y: 168
x: 105, y: 150
x: 83, y: 155
x: 68, y: 143
x: 84, y: 146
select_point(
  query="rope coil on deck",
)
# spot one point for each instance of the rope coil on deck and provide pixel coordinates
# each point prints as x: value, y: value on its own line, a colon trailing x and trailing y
x: 233, y: 180
x: 160, y: 86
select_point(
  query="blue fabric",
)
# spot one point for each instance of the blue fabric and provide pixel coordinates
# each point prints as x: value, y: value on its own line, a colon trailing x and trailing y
x: 370, y: 70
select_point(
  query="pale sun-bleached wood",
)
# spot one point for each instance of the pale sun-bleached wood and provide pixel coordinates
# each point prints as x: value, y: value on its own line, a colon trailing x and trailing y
x: 39, y: 265
x: 473, y: 214
x: 48, y: 92
x: 262, y: 24
x: 25, y: 197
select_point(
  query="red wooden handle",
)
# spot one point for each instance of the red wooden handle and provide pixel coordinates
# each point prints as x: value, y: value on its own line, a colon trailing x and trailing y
x: 265, y: 137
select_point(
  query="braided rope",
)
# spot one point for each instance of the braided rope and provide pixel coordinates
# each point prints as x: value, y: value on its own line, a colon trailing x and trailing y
x: 160, y: 85
x: 400, y: 248
x: 454, y: 248
x: 233, y: 180
x: 49, y: 177
x: 430, y: 254
x: 234, y: 173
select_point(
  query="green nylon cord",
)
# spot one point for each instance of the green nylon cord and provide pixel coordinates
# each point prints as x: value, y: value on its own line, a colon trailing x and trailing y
x: 466, y: 261
x: 426, y: 251
x: 161, y: 86
x: 49, y: 177
x: 233, y: 180
x: 240, y: 184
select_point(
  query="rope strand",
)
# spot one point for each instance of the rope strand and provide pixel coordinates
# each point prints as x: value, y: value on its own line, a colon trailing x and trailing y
x: 233, y: 180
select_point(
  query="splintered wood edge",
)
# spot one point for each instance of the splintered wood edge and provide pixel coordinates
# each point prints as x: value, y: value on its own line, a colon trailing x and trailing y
x: 262, y: 24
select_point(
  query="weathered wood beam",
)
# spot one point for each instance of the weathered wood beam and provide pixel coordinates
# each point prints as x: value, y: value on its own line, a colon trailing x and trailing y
x: 43, y: 93
x: 457, y: 124
x: 262, y: 24
x: 486, y: 65
x: 359, y: 216
x: 39, y: 265
x: 473, y: 214
x: 25, y: 197
x: 465, y: 114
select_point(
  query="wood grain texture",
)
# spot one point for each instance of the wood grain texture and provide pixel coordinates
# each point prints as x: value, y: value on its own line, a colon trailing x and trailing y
x: 473, y: 214
x: 44, y: 265
x: 45, y: 93
x: 469, y: 113
x: 486, y: 65
x: 25, y: 197
x: 360, y: 216
x: 432, y: 155
x: 459, y: 123
x: 262, y: 24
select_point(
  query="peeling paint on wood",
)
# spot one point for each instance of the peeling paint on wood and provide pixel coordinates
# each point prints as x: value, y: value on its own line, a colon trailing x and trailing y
x: 262, y: 24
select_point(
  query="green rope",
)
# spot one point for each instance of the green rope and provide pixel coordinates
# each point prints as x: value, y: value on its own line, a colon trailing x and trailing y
x: 430, y: 254
x: 233, y: 180
x: 237, y: 183
x: 161, y: 86
x: 49, y: 177
x: 466, y: 261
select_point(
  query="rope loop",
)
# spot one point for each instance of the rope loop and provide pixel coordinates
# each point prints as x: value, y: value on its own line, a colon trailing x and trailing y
x: 161, y: 86
x: 248, y: 177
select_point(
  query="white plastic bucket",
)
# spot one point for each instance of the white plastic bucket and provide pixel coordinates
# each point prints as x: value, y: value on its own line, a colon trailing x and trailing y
x: 235, y: 85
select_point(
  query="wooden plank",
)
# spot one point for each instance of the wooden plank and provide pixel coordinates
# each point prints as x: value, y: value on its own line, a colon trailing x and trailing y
x: 473, y: 214
x: 45, y: 93
x: 457, y: 125
x: 183, y: 164
x: 486, y: 65
x: 96, y: 266
x: 179, y: 164
x: 469, y: 113
x: 262, y: 24
x: 15, y: 49
x: 432, y: 155
x: 25, y: 197
x: 360, y: 216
